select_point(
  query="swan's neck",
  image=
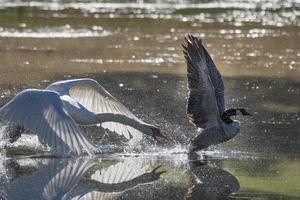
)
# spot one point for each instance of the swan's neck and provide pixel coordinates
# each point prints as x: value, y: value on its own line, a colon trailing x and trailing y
x: 117, y: 187
x: 119, y: 118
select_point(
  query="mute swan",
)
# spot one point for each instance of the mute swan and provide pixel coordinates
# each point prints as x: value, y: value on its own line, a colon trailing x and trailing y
x: 53, y: 114
x: 206, y: 109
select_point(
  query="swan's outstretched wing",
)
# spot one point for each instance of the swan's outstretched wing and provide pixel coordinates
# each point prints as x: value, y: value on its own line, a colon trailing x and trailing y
x: 96, y: 99
x: 202, y: 108
x: 41, y: 112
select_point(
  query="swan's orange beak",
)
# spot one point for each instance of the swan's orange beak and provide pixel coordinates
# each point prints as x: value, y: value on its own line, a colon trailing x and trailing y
x: 158, y: 136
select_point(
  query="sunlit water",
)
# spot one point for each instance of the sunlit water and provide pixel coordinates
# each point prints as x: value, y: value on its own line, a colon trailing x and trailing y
x: 134, y: 50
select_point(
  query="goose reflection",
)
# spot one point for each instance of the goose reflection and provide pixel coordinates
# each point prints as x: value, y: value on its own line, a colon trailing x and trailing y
x: 210, y: 182
x: 81, y: 178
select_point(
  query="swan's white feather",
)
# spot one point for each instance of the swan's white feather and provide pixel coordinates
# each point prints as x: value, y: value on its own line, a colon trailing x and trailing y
x: 41, y: 112
x: 90, y: 94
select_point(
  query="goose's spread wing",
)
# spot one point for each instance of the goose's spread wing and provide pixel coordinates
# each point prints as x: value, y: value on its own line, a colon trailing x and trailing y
x: 216, y: 80
x: 96, y: 99
x: 41, y: 112
x: 202, y: 108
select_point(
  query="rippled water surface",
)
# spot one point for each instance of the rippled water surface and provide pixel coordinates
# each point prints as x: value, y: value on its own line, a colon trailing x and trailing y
x: 133, y: 49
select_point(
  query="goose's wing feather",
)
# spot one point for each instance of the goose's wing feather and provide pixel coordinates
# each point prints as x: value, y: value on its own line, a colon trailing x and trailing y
x: 202, y: 108
x: 96, y: 99
x: 216, y: 80
x: 41, y: 112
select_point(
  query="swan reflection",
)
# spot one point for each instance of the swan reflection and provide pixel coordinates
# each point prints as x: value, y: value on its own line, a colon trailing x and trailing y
x: 80, y: 178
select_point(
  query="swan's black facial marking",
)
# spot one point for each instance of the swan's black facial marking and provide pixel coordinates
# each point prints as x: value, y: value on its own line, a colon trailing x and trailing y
x: 233, y: 112
x: 157, y: 134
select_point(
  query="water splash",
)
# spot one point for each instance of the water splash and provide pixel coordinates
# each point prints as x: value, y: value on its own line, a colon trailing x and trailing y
x: 27, y: 144
x: 3, y: 135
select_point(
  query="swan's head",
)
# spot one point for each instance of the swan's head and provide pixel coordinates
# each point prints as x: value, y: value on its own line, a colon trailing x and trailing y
x: 152, y: 176
x: 154, y: 132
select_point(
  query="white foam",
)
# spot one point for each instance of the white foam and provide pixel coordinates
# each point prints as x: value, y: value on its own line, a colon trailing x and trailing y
x: 3, y: 174
x: 26, y: 143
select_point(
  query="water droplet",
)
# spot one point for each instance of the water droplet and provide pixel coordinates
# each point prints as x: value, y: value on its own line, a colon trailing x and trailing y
x: 154, y: 76
x: 22, y: 25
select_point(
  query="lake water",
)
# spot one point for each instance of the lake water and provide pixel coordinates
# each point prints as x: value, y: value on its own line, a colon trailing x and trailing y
x: 134, y: 50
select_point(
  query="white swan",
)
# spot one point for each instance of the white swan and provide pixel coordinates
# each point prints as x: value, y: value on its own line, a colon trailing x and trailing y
x: 206, y: 107
x: 53, y: 114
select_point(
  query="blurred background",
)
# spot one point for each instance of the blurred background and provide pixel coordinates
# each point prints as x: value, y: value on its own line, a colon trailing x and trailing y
x: 133, y: 49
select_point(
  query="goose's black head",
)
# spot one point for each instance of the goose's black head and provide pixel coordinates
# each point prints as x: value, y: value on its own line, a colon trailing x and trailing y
x: 233, y: 112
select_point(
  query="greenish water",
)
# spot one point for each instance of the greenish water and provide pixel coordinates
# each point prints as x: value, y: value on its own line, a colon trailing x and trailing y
x: 134, y: 50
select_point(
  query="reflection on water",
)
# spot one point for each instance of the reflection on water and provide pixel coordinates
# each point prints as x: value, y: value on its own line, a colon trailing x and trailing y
x: 84, y: 178
x: 133, y: 49
x: 76, y: 178
x: 211, y: 182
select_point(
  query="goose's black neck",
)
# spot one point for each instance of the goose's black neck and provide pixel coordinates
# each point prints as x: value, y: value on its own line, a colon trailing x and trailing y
x: 226, y: 118
x: 232, y: 112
